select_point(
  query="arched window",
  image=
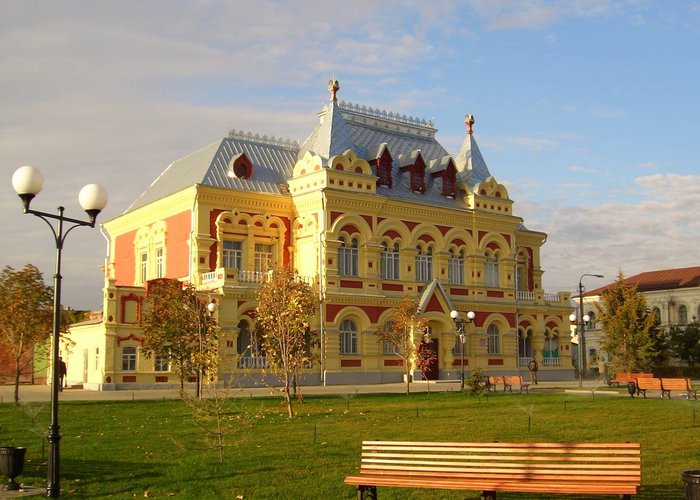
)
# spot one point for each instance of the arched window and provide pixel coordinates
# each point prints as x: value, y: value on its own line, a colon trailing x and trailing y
x: 348, y: 258
x: 348, y: 337
x: 263, y: 257
x: 232, y: 255
x: 551, y: 346
x: 591, y: 320
x: 657, y: 314
x: 456, y: 267
x: 424, y: 265
x: 389, y: 261
x: 388, y: 347
x: 491, y: 271
x: 682, y: 315
x: 244, y: 342
x: 494, y: 340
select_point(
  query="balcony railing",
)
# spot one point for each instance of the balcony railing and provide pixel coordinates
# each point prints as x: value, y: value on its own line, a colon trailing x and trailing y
x: 528, y: 296
x: 253, y: 362
x: 551, y: 361
x: 224, y: 274
x: 524, y: 360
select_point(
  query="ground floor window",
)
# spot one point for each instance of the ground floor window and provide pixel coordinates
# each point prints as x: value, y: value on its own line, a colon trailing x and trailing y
x: 348, y: 337
x: 128, y: 359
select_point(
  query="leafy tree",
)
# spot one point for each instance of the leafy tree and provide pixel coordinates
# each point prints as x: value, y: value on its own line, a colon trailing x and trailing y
x: 177, y: 327
x: 685, y: 342
x: 285, y: 308
x: 26, y: 320
x: 404, y: 334
x: 631, y: 335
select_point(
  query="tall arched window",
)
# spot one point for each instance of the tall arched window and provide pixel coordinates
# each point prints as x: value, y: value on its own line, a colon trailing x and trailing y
x: 491, y: 278
x: 424, y: 264
x: 551, y: 346
x: 348, y: 258
x: 682, y: 315
x: 657, y: 314
x: 591, y: 320
x: 349, y: 337
x: 389, y: 261
x: 456, y: 267
x: 244, y: 342
x: 388, y: 347
x: 494, y: 340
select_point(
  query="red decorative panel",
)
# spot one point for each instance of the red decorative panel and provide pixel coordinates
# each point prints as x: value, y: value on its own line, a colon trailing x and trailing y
x: 443, y: 229
x: 368, y: 220
x: 458, y: 242
x: 410, y: 225
x: 392, y: 234
x: 494, y: 294
x: 161, y: 378
x: 131, y: 336
x: 393, y: 362
x: 506, y: 237
x: 456, y: 362
x: 392, y: 287
x: 350, y: 229
x: 426, y: 237
x: 495, y: 362
x: 493, y: 246
x: 482, y: 234
x: 459, y: 291
x: 350, y: 284
x: 434, y: 305
x: 129, y: 379
x: 349, y: 363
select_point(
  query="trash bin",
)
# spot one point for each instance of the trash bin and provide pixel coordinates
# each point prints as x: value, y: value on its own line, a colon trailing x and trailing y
x: 691, y: 478
x: 11, y: 464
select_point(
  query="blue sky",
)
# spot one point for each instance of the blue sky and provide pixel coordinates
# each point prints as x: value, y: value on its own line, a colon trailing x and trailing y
x: 587, y: 110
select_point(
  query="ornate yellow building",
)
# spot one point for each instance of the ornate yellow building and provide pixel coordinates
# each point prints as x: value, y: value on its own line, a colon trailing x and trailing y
x: 368, y: 209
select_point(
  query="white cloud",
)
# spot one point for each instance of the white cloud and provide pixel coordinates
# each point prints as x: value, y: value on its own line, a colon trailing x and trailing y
x: 661, y: 231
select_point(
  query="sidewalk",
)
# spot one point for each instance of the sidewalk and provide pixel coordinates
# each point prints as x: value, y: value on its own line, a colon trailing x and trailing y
x: 36, y: 393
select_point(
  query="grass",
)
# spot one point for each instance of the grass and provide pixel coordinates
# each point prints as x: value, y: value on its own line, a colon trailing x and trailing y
x: 153, y: 449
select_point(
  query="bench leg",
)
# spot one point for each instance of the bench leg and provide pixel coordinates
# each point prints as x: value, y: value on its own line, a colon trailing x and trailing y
x: 488, y: 495
x: 626, y: 497
x: 366, y: 493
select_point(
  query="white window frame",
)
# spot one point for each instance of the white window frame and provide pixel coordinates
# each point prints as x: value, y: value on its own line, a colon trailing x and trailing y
x: 493, y: 336
x: 129, y: 358
x: 389, y: 262
x: 491, y: 274
x: 161, y: 364
x: 160, y: 262
x: 97, y: 358
x: 232, y: 254
x: 349, y: 338
x: 264, y: 254
x: 682, y: 314
x: 455, y: 268
x: 143, y: 263
x: 424, y: 265
x: 348, y: 258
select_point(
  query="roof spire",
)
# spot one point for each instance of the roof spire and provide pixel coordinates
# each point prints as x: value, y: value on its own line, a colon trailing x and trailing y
x: 333, y: 88
x: 469, y: 121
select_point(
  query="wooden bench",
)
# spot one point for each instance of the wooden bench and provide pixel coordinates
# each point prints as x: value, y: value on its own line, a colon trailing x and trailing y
x: 644, y: 384
x: 492, y: 382
x: 627, y: 377
x: 574, y: 468
x: 678, y: 384
x: 511, y: 380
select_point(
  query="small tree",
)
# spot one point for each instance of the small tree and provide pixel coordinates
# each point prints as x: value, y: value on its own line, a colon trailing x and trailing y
x: 404, y: 335
x: 285, y: 307
x: 26, y: 320
x: 631, y: 336
x: 685, y: 342
x: 178, y: 328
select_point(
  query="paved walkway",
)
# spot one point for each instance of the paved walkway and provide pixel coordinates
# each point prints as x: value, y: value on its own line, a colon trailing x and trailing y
x: 34, y: 393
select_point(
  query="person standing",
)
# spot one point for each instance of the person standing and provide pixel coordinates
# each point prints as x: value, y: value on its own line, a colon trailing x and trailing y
x: 62, y: 370
x: 533, y: 367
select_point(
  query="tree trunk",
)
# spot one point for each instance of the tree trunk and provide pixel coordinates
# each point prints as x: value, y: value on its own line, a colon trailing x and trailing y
x: 287, y: 395
x: 408, y: 381
x: 18, y: 371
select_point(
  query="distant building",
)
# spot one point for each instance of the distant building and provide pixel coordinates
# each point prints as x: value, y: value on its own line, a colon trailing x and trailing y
x: 672, y: 294
x: 368, y: 209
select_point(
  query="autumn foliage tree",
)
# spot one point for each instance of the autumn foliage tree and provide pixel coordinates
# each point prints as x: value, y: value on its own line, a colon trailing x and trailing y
x: 285, y: 308
x: 177, y: 328
x: 404, y: 336
x: 631, y: 335
x: 26, y: 320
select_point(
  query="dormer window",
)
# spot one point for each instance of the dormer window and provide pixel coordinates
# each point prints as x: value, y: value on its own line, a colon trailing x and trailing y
x: 382, y: 165
x: 414, y: 163
x: 445, y: 169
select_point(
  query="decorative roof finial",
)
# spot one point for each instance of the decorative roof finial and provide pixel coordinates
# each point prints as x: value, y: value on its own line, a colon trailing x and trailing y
x: 333, y: 88
x: 469, y: 121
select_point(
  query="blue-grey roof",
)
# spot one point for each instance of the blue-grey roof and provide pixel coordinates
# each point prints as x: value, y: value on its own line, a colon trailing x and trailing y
x: 342, y: 126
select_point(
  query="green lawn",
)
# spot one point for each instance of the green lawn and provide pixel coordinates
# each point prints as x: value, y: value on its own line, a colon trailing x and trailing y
x: 152, y: 448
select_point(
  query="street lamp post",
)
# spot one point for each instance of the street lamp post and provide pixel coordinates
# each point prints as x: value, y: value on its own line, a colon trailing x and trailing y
x: 210, y: 310
x: 582, y: 320
x: 461, y: 334
x: 27, y: 182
